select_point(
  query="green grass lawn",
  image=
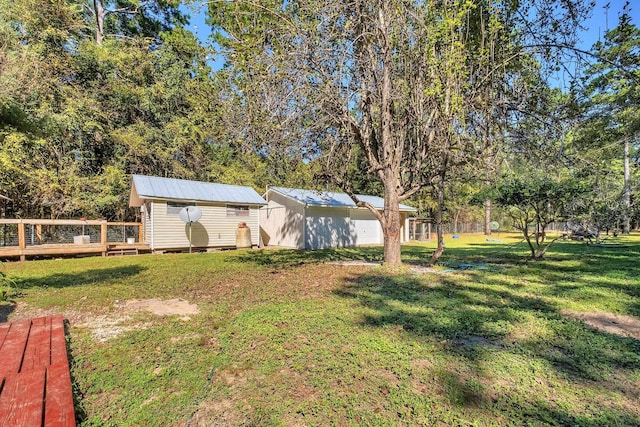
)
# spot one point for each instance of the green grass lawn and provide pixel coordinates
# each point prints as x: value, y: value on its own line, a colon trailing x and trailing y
x: 288, y: 338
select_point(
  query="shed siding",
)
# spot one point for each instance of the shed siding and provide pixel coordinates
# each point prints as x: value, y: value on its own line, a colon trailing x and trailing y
x: 404, y: 227
x: 328, y: 228
x: 145, y: 213
x: 282, y: 222
x: 286, y: 222
x: 214, y: 229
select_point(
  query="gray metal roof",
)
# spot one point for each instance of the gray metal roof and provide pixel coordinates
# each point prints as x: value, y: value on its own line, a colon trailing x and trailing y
x: 153, y: 187
x: 328, y: 198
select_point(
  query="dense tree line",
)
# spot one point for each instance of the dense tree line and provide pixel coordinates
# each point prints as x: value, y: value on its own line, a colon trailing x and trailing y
x: 91, y: 92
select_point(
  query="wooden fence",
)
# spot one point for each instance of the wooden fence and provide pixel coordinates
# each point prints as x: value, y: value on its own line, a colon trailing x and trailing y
x: 38, y: 237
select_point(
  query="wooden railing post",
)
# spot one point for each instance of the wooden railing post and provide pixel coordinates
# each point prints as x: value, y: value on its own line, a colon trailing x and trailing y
x: 140, y: 233
x: 103, y: 237
x: 22, y: 241
x: 39, y: 234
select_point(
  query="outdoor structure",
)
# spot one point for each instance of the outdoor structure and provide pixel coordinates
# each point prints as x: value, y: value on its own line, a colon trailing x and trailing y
x: 33, y: 238
x: 223, y: 208
x: 308, y: 219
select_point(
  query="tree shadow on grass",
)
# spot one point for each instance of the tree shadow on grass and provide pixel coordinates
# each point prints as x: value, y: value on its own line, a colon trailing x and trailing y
x: 88, y: 277
x: 474, y: 323
x: 552, y: 413
x: 284, y: 258
x: 560, y: 250
x: 6, y: 308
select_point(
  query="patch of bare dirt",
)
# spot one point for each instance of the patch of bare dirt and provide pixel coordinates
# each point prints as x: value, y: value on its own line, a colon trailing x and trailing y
x: 421, y: 364
x: 160, y: 307
x: 420, y: 269
x: 105, y: 327
x: 217, y: 412
x: 359, y: 263
x: 617, y: 324
x: 110, y: 325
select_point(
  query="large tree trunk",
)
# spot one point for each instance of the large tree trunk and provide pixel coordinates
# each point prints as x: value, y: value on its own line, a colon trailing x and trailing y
x: 391, y: 222
x: 626, y: 191
x: 455, y: 221
x: 392, y: 154
x: 487, y: 217
x: 439, y: 231
x: 487, y: 202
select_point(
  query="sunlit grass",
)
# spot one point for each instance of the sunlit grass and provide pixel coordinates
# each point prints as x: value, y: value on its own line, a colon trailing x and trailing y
x: 288, y: 338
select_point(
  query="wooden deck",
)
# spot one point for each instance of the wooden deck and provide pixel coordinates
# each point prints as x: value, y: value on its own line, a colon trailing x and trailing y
x: 37, y: 244
x: 35, y: 383
x: 71, y: 249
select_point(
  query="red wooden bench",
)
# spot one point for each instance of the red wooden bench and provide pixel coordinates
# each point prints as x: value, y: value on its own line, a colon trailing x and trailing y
x: 35, y: 383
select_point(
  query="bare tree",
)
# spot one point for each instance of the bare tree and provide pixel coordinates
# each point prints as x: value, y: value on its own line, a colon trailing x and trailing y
x: 393, y: 80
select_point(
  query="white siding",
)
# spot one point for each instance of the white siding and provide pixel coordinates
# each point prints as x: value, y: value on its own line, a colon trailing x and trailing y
x: 214, y: 229
x: 281, y: 222
x: 404, y: 227
x: 145, y: 213
x: 287, y: 223
x: 328, y: 227
x: 368, y: 230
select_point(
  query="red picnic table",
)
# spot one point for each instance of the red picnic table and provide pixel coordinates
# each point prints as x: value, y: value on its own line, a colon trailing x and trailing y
x: 35, y: 382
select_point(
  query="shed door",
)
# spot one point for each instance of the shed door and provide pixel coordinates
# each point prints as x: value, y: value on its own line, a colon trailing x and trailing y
x: 367, y: 227
x: 328, y: 228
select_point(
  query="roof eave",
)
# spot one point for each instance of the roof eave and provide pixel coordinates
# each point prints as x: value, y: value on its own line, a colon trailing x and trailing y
x: 226, y: 202
x: 287, y: 196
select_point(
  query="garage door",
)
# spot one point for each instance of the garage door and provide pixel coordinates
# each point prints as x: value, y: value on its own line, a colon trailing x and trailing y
x: 367, y: 227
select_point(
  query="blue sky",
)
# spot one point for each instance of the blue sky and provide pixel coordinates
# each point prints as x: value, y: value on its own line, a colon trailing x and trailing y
x: 604, y: 19
x: 601, y: 20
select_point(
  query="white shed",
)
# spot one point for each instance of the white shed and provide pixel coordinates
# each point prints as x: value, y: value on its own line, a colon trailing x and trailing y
x: 308, y: 219
x: 223, y: 208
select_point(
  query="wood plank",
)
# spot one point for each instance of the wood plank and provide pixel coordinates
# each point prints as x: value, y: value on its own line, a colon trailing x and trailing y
x: 13, y: 347
x: 22, y: 399
x: 4, y: 329
x: 65, y: 249
x: 61, y: 249
x: 37, y: 354
x: 52, y: 221
x: 58, y: 342
x: 59, y: 410
x: 22, y: 242
x: 9, y: 221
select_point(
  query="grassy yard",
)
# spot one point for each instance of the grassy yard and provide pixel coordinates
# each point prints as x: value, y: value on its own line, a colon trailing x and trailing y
x: 290, y: 338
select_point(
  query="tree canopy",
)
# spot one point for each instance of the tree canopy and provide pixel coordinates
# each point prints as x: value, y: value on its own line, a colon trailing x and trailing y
x: 403, y: 99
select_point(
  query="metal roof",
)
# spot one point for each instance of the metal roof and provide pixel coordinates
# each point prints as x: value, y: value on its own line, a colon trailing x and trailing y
x: 332, y: 199
x: 153, y: 187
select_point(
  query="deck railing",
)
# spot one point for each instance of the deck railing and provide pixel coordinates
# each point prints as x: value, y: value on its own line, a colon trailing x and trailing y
x: 23, y: 237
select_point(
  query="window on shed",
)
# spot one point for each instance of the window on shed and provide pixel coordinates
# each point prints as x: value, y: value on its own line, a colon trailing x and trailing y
x: 174, y: 208
x: 237, y: 210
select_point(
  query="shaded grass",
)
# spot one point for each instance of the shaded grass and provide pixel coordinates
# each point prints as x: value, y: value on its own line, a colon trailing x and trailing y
x: 286, y: 338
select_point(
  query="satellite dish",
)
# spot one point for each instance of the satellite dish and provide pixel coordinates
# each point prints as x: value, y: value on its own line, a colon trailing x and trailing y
x: 190, y: 214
